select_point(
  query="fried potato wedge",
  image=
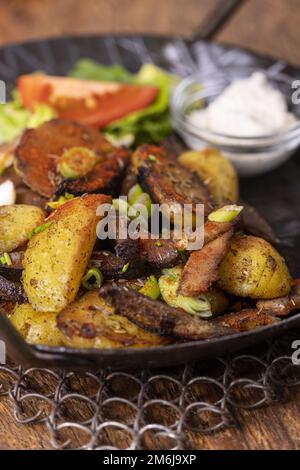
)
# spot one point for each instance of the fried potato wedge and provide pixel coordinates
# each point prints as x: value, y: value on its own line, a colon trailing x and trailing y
x: 56, y: 258
x: 167, y: 181
x: 91, y: 323
x: 40, y: 149
x: 216, y: 171
x: 16, y: 224
x: 253, y: 268
x: 36, y: 327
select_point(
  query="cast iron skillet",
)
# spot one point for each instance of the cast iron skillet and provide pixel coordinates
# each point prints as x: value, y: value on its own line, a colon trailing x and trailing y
x: 275, y: 194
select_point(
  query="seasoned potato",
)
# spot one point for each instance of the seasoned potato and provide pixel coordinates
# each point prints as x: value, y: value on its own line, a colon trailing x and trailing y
x: 253, y: 268
x: 91, y: 323
x: 216, y: 171
x: 16, y: 223
x: 36, y: 327
x: 57, y: 257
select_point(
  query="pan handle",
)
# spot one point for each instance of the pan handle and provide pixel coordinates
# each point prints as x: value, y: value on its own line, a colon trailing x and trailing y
x: 222, y: 12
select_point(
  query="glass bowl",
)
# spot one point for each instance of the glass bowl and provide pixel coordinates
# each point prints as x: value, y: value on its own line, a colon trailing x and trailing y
x: 250, y: 155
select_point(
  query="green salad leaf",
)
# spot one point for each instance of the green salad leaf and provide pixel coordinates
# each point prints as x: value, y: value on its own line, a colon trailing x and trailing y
x: 150, y: 124
x: 14, y: 118
x: 90, y: 70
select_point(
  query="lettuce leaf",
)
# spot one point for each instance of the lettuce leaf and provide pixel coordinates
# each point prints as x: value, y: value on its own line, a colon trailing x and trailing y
x: 14, y: 118
x: 90, y: 70
x: 147, y: 125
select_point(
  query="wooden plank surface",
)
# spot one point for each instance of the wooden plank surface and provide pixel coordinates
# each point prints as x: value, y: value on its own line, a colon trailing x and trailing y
x: 267, y: 26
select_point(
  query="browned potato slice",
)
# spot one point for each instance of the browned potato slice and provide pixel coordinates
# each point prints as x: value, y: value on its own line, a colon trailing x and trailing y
x: 57, y: 257
x: 36, y: 327
x: 91, y: 323
x: 253, y: 268
x: 216, y: 171
x: 16, y: 223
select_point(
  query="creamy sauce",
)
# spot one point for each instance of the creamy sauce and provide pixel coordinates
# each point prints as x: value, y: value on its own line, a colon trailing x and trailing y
x: 247, y: 108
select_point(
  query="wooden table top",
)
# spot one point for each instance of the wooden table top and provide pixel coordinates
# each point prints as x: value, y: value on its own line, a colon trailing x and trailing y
x: 265, y: 26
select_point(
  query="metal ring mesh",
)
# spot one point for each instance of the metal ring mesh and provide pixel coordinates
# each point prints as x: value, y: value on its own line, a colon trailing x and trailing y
x: 150, y: 409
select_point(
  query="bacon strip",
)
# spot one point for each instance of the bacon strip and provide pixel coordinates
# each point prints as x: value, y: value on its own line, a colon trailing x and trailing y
x: 201, y: 269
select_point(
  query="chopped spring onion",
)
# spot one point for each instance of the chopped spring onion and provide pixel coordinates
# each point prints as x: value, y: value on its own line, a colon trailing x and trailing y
x: 92, y: 279
x: 151, y: 288
x: 121, y: 140
x: 121, y: 206
x: 6, y: 259
x: 60, y: 201
x: 76, y: 162
x: 169, y: 284
x: 142, y: 205
x: 40, y: 229
x: 134, y: 193
x: 125, y: 268
x: 225, y: 214
x: 183, y: 255
x: 152, y: 158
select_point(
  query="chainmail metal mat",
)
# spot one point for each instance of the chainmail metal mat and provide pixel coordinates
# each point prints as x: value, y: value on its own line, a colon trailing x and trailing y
x: 150, y: 409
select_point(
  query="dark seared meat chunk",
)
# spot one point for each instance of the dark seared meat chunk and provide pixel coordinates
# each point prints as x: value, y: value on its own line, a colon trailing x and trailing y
x: 11, y: 291
x: 103, y: 178
x: 129, y: 180
x: 167, y: 181
x: 114, y: 267
x: 128, y: 250
x: 254, y: 224
x: 245, y: 320
x: 159, y: 254
x: 202, y: 267
x: 40, y: 149
x: 136, y: 258
x: 213, y: 230
x: 174, y: 145
x: 158, y: 317
x: 14, y: 271
x: 281, y: 306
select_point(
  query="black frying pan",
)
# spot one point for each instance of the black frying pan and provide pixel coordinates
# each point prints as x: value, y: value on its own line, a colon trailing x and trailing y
x: 276, y: 195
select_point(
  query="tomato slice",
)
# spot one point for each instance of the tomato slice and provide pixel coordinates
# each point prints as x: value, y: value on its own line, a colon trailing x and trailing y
x: 90, y: 102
